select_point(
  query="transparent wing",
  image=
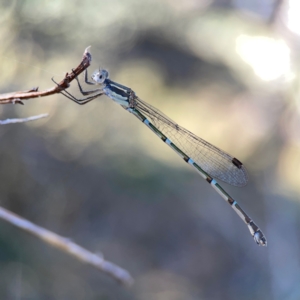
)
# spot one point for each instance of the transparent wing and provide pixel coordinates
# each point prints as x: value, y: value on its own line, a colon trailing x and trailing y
x: 212, y: 160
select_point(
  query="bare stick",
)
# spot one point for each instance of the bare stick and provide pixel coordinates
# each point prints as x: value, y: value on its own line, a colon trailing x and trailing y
x: 278, y: 4
x: 17, y: 97
x: 68, y: 246
x: 23, y: 120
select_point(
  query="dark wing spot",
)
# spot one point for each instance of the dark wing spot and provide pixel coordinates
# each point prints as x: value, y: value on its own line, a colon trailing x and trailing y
x: 237, y: 163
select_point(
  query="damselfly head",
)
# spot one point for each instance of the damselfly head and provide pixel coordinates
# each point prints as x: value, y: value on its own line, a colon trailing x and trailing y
x: 100, y: 76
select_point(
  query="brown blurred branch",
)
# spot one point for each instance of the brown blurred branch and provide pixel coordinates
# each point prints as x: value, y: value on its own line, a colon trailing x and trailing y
x: 17, y: 97
x: 22, y: 120
x: 66, y: 245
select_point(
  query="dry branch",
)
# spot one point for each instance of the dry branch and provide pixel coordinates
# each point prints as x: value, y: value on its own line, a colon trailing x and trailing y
x: 23, y: 120
x: 17, y: 97
x: 51, y: 238
x: 66, y: 245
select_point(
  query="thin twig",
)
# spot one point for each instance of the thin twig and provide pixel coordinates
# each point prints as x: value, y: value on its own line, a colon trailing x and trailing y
x: 17, y: 97
x: 68, y: 246
x: 278, y: 4
x: 23, y: 120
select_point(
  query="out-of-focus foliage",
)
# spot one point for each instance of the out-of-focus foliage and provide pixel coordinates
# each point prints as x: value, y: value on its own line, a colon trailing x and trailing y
x: 225, y: 70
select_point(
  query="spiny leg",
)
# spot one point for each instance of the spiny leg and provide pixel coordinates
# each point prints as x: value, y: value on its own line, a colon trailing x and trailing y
x: 86, y: 79
x: 85, y: 93
x: 80, y: 101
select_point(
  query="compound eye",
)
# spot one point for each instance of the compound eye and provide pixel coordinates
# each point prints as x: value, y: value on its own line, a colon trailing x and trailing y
x: 99, y: 76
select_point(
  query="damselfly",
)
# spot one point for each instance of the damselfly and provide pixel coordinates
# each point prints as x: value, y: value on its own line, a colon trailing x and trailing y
x: 209, y: 161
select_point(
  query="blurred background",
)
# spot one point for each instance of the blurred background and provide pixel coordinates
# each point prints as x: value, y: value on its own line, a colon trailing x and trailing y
x: 227, y: 70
